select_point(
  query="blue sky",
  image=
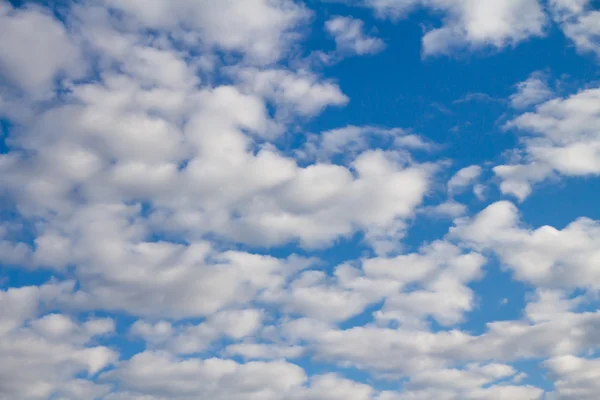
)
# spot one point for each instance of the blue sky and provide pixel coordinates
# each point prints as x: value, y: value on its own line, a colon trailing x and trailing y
x: 299, y: 200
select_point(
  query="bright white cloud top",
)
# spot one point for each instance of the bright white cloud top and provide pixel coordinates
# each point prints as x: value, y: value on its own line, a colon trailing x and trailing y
x: 283, y: 200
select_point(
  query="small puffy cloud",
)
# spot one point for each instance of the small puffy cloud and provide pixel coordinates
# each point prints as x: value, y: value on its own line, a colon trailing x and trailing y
x: 534, y: 90
x: 291, y: 92
x: 449, y: 208
x: 350, y: 37
x: 391, y: 8
x: 464, y: 178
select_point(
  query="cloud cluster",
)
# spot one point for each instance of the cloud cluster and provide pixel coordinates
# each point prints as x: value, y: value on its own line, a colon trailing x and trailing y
x: 545, y: 256
x: 532, y: 91
x: 562, y: 137
x: 188, y: 236
x: 349, y: 36
x: 42, y: 355
x: 579, y: 21
x: 471, y: 23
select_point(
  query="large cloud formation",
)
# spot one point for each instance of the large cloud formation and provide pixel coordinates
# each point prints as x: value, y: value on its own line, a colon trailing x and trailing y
x: 177, y: 246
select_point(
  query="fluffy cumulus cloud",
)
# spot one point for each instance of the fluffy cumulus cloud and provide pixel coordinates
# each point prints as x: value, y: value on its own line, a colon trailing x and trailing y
x: 544, y: 256
x: 42, y: 354
x: 561, y: 137
x: 350, y: 37
x: 464, y: 178
x: 408, y: 295
x: 576, y: 377
x: 473, y: 382
x: 580, y: 21
x: 32, y: 62
x: 261, y: 30
x: 352, y: 139
x: 484, y: 23
x: 471, y: 23
x: 199, y: 201
x: 532, y: 91
x: 293, y: 93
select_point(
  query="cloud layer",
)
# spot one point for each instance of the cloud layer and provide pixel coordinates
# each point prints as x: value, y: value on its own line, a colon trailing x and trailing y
x: 177, y: 220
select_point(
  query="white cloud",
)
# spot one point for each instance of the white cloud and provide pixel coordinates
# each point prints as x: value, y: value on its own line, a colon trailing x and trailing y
x: 312, y: 294
x: 544, y: 256
x: 350, y: 37
x: 464, y: 178
x: 190, y: 339
x: 161, y: 186
x: 154, y: 376
x: 397, y: 351
x: 159, y: 376
x: 449, y: 208
x: 162, y: 279
x: 315, y: 204
x: 117, y: 270
x: 296, y: 93
x: 351, y: 140
x: 135, y: 153
x: 472, y: 23
x: 264, y: 351
x: 334, y: 387
x: 563, y: 139
x: 479, y: 190
x: 36, y: 49
x: 411, y: 352
x: 575, y: 378
x: 532, y: 91
x: 551, y: 327
x: 580, y: 22
x: 439, y: 271
x: 410, y: 286
x: 165, y: 376
x: 481, y: 23
x: 41, y: 357
x: 262, y: 30
x: 473, y: 382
